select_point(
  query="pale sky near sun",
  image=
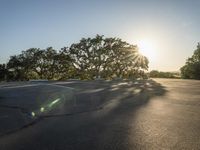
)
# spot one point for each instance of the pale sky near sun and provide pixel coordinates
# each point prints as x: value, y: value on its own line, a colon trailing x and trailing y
x: 166, y: 30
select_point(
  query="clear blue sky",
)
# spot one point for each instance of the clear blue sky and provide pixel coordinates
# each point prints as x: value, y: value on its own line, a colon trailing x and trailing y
x: 171, y: 25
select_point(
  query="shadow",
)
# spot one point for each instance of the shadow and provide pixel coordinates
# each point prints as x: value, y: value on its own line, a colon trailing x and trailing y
x: 106, y: 112
x: 122, y: 116
x: 99, y: 93
x: 109, y: 127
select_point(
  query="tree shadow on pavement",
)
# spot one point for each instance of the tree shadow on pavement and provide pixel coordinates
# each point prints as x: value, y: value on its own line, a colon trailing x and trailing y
x: 118, y: 119
x: 115, y: 106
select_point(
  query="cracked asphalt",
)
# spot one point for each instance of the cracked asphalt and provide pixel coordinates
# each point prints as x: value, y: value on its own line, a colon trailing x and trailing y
x: 103, y: 115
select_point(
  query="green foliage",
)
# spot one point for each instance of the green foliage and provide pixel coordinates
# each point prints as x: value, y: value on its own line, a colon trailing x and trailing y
x: 191, y: 70
x: 106, y: 58
x: 3, y: 72
x: 160, y: 74
x: 90, y: 58
x: 35, y: 63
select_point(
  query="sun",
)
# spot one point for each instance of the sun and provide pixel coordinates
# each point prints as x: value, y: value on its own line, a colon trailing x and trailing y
x: 147, y: 49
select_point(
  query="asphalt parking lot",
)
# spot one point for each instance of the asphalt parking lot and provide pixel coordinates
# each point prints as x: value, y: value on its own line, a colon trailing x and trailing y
x: 83, y: 115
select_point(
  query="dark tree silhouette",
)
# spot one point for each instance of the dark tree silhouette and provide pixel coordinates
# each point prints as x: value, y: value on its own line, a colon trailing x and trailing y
x: 91, y: 58
x: 3, y: 72
x: 191, y: 70
x: 106, y: 57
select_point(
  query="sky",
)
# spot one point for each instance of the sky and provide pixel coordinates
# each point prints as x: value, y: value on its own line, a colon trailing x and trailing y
x: 167, y: 30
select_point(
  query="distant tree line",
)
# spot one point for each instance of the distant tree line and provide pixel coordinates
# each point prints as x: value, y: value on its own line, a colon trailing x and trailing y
x: 191, y: 69
x: 90, y: 58
x: 161, y: 74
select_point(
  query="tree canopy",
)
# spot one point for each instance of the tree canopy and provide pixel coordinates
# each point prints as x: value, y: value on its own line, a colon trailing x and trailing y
x: 191, y: 69
x: 90, y: 58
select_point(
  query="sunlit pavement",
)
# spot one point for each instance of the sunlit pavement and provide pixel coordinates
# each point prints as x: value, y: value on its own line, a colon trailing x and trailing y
x: 152, y: 114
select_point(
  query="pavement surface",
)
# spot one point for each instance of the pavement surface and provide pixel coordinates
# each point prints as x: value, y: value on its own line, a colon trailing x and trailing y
x: 100, y: 115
